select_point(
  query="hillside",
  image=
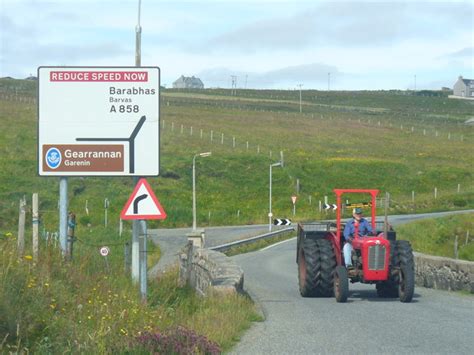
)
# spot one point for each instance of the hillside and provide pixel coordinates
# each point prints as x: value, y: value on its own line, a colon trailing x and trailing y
x: 397, y: 143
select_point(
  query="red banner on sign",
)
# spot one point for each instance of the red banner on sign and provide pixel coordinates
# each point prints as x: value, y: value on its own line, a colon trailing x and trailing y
x: 100, y: 76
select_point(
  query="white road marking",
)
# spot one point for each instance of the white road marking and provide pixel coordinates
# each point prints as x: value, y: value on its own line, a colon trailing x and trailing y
x: 274, y: 245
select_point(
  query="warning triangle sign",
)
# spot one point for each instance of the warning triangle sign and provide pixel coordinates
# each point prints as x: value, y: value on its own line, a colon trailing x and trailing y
x: 143, y: 204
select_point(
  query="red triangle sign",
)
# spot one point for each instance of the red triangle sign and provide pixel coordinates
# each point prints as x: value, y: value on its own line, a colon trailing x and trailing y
x: 143, y: 204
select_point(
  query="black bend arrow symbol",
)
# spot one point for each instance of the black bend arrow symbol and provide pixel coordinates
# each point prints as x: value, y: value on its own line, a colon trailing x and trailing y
x: 136, y: 201
x: 130, y: 140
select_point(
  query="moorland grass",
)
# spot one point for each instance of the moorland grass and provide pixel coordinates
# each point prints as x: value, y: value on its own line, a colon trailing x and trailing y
x: 82, y: 306
x: 437, y: 236
x: 323, y: 150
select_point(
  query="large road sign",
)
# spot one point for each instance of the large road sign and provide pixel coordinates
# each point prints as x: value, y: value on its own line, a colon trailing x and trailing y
x: 98, y: 121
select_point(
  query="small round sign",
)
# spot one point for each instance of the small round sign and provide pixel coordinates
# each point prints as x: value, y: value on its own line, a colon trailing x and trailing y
x: 104, y: 251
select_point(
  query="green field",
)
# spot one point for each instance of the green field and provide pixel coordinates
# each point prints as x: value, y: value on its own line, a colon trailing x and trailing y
x: 392, y: 141
x: 438, y: 236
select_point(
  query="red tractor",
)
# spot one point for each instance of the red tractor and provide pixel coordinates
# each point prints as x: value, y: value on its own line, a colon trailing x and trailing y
x: 379, y: 259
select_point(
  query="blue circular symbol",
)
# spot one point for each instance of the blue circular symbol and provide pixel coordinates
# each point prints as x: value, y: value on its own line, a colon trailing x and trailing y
x: 53, y: 158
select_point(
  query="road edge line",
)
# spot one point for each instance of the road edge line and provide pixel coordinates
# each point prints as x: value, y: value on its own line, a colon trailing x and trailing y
x: 274, y: 245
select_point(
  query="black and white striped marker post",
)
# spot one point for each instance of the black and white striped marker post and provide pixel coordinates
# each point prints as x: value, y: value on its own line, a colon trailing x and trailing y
x: 281, y: 222
x: 333, y: 206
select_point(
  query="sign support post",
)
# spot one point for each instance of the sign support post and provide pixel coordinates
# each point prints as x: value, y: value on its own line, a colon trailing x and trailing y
x: 143, y: 261
x: 142, y: 205
x: 63, y: 204
x: 136, y: 223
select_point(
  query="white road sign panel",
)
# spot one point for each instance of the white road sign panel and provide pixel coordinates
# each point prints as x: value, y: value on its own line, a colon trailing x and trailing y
x: 98, y: 121
x: 143, y: 204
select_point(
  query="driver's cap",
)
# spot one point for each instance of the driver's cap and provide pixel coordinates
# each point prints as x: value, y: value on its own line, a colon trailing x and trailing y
x: 357, y: 210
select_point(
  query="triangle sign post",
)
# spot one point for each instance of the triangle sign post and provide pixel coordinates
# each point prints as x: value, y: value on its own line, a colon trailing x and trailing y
x: 143, y: 204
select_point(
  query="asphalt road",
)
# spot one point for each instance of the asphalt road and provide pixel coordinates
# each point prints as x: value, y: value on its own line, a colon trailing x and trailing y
x: 435, y: 322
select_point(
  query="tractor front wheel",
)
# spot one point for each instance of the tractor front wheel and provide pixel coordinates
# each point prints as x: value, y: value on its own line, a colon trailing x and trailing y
x: 341, y: 284
x: 406, y: 287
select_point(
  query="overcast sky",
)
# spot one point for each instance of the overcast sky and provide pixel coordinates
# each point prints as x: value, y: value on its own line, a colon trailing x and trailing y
x: 266, y: 44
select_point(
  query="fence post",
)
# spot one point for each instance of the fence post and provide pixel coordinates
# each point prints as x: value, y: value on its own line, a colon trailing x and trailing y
x: 35, y: 226
x: 222, y: 138
x: 21, y: 227
x: 435, y: 193
x: 71, y: 226
x: 459, y: 188
x: 467, y: 237
x: 456, y: 251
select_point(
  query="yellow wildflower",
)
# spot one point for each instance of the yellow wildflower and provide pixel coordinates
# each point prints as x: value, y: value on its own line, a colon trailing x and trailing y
x: 28, y: 257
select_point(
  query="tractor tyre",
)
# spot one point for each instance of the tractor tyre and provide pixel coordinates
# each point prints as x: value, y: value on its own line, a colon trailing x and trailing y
x: 401, y: 254
x: 389, y: 288
x: 316, y: 265
x: 406, y: 287
x: 341, y: 284
x: 406, y: 277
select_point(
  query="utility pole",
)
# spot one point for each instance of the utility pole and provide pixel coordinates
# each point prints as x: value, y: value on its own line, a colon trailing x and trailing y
x: 246, y: 77
x: 415, y: 82
x: 329, y: 81
x: 233, y: 91
x: 300, y: 85
x: 136, y: 223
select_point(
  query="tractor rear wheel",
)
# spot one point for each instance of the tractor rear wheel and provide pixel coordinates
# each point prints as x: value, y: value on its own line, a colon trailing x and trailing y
x: 341, y: 284
x: 316, y: 265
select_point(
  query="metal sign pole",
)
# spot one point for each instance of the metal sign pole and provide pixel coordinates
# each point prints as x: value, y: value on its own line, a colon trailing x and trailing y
x: 143, y: 261
x: 63, y: 214
x: 136, y: 223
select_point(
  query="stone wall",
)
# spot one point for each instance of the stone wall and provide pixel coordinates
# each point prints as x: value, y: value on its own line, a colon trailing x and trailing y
x: 209, y: 271
x: 444, y: 273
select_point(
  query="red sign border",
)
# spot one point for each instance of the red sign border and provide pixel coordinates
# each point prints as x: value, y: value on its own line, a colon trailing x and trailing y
x: 141, y: 182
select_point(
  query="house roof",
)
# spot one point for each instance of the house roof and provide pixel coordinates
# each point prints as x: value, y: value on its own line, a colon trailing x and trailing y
x: 188, y: 80
x: 466, y: 81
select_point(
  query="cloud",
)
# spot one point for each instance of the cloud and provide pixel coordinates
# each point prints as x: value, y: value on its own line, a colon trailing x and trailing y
x: 462, y: 53
x: 348, y: 24
x: 309, y: 74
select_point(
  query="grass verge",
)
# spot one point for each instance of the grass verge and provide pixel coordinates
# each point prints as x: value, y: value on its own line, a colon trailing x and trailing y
x: 247, y: 248
x: 437, y: 236
x: 81, y: 306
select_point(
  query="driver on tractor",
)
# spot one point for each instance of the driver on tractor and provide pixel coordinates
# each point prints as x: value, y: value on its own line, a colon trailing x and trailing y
x: 363, y: 228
